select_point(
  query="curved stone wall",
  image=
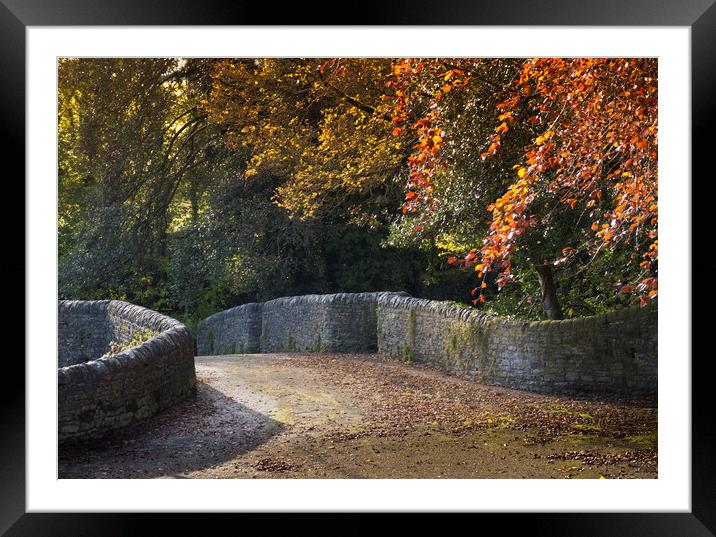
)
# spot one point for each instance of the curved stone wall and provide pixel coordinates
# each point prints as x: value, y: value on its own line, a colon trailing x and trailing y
x: 320, y: 323
x: 99, y: 394
x: 613, y: 353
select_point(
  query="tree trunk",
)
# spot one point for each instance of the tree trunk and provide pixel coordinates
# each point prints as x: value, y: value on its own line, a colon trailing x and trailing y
x: 550, y: 304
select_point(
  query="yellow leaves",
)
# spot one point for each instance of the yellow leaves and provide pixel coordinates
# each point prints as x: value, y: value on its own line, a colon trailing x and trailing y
x: 451, y: 73
x: 542, y: 139
x: 521, y: 172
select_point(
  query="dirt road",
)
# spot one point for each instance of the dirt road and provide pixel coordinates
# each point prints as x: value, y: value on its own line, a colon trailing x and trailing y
x: 369, y: 416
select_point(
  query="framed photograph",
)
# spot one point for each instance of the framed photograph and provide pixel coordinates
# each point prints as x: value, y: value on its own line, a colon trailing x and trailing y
x: 424, y: 57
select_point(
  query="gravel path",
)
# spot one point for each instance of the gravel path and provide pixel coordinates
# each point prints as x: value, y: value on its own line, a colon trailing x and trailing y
x: 369, y: 416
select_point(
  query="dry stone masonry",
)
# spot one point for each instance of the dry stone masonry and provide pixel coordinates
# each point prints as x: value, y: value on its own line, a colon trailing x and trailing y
x: 614, y: 353
x: 319, y: 323
x: 98, y: 394
x: 611, y: 353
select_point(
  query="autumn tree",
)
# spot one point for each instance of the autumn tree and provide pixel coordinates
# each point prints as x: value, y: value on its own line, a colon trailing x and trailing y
x: 190, y: 185
x: 587, y: 177
x: 596, y: 154
x: 321, y: 125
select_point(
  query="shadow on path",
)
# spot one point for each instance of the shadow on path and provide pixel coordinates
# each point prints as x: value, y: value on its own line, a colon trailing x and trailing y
x: 196, y: 434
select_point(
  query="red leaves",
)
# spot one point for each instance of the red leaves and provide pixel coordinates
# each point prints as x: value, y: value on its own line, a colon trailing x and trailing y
x: 596, y: 111
x: 405, y: 83
x: 502, y: 128
x: 510, y: 103
x: 593, y: 124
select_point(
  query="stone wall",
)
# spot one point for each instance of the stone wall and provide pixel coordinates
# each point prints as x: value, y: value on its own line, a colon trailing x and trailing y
x: 98, y: 394
x: 613, y: 353
x: 237, y: 330
x: 320, y: 323
x: 84, y: 331
x: 610, y: 353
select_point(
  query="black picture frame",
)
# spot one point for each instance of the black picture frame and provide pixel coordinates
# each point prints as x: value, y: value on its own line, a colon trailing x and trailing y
x: 699, y: 15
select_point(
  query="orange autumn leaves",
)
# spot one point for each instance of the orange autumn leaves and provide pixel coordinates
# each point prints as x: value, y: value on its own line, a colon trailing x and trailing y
x: 601, y: 142
x: 493, y: 155
x: 426, y: 159
x: 595, y: 149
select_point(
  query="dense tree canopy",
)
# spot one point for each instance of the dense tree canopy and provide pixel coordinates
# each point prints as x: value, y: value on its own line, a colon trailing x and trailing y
x: 525, y: 186
x: 586, y: 178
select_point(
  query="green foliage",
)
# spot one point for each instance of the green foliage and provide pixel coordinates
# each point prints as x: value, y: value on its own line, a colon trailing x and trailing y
x: 588, y: 286
x: 136, y: 339
x: 407, y: 354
